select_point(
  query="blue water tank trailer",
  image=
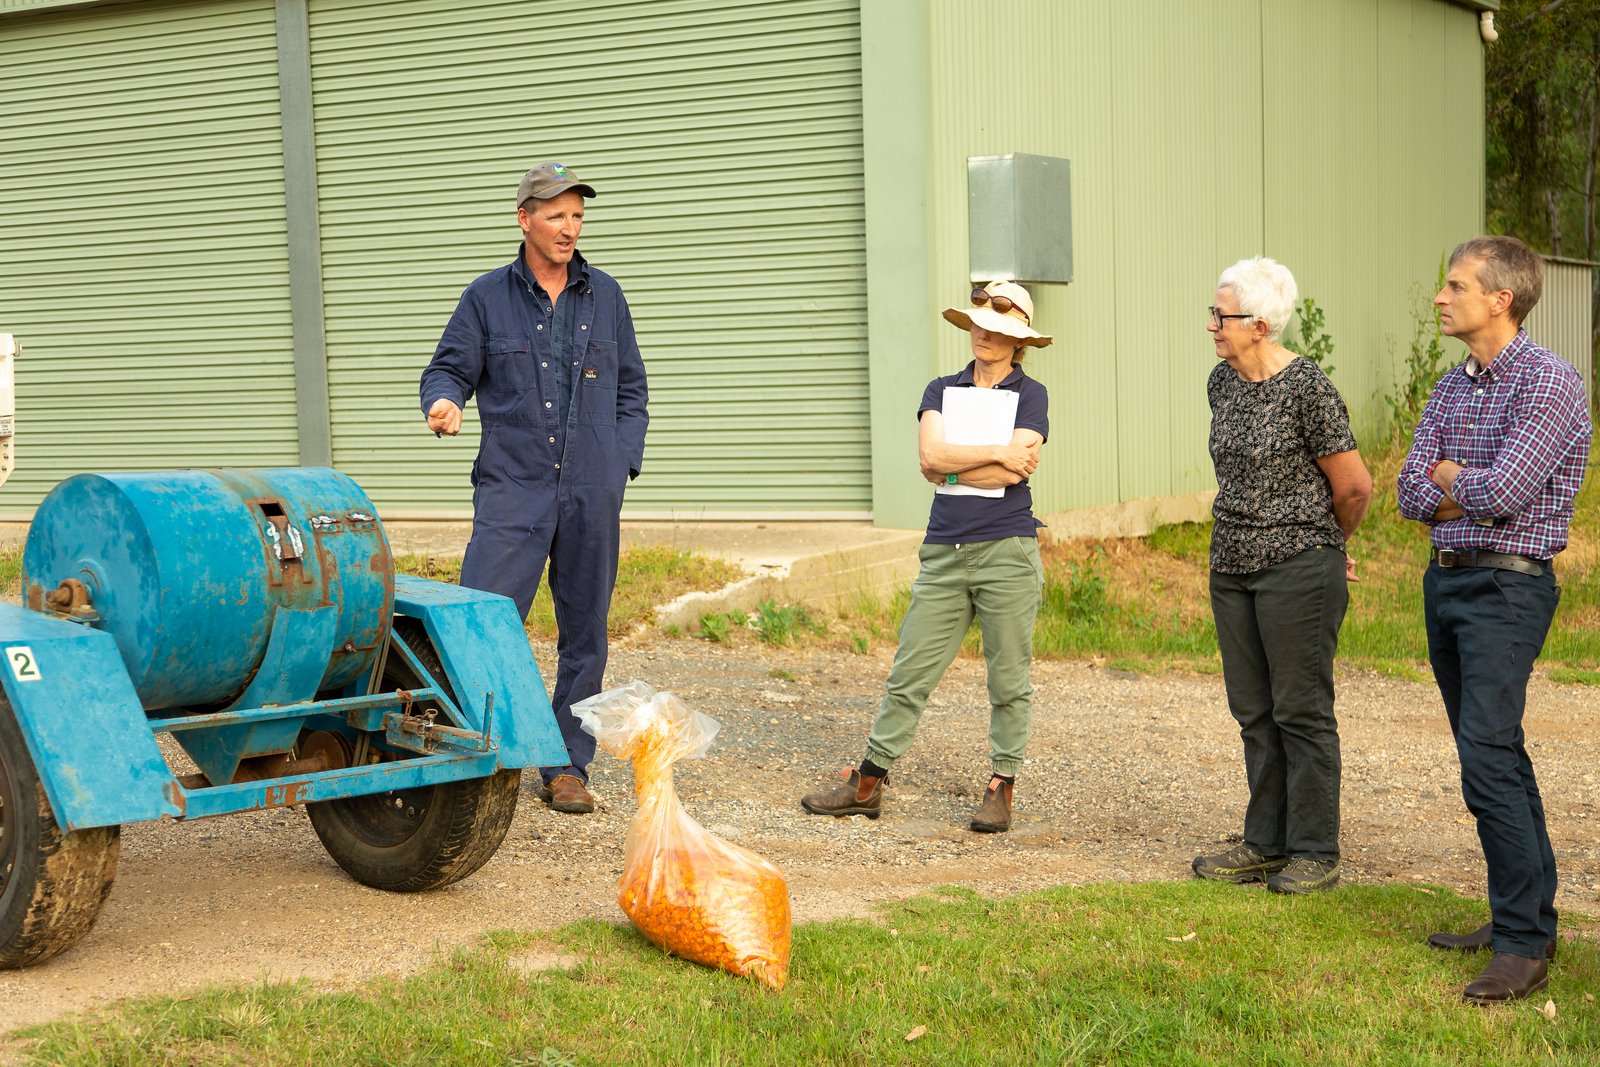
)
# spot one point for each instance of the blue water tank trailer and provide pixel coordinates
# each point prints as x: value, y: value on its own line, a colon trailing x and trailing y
x: 256, y: 618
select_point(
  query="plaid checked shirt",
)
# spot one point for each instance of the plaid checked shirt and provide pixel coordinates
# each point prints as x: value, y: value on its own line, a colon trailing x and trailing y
x: 1521, y: 430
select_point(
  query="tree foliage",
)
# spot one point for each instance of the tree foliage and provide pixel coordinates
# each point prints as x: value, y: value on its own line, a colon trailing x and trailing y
x: 1543, y: 88
x: 1543, y: 145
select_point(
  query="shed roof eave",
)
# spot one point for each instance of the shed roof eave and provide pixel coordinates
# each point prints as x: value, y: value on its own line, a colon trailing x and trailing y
x: 19, y: 8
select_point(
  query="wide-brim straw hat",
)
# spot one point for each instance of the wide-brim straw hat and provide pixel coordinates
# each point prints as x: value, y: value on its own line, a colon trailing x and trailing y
x: 1013, y: 323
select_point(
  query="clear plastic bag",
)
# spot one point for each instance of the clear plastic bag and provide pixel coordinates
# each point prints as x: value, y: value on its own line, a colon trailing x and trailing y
x: 687, y: 890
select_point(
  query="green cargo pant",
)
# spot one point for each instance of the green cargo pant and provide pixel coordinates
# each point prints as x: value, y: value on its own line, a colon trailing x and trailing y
x: 1002, y: 582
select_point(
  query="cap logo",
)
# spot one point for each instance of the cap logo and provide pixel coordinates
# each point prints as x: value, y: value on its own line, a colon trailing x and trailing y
x: 558, y: 168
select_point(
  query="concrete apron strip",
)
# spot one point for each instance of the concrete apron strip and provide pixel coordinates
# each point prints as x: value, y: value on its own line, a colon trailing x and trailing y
x: 836, y: 564
x: 812, y: 563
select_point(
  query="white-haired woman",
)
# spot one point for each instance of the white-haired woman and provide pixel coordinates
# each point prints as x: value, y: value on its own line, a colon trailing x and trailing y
x: 980, y: 556
x: 1291, y: 489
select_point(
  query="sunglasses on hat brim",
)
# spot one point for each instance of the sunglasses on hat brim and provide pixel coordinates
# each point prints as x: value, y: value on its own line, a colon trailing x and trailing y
x: 1002, y: 304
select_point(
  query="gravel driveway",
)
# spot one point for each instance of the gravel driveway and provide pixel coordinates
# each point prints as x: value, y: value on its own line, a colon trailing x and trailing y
x: 1128, y: 777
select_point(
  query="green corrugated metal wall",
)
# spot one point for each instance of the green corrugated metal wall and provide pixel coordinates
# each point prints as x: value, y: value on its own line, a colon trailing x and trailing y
x: 725, y: 142
x: 1343, y: 138
x: 142, y: 250
x: 1378, y: 171
x: 142, y: 151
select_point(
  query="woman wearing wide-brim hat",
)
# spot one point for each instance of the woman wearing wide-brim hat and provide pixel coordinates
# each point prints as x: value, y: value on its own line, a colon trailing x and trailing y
x: 980, y: 556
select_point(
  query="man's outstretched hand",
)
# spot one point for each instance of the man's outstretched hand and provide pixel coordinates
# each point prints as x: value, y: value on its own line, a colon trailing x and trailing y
x: 444, y: 417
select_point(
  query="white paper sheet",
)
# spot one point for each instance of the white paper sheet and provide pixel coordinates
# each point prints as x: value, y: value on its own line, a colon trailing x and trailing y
x: 975, y: 416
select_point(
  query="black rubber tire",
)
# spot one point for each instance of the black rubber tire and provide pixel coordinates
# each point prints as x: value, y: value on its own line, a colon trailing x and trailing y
x: 52, y: 884
x: 412, y: 840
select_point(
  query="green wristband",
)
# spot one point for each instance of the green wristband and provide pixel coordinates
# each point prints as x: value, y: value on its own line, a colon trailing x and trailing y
x: 950, y: 479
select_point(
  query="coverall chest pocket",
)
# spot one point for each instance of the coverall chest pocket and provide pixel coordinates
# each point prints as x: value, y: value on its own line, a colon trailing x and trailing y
x: 597, y: 383
x: 507, y: 372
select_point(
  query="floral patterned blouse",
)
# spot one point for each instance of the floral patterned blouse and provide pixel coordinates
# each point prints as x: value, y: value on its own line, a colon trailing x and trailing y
x: 1273, y: 501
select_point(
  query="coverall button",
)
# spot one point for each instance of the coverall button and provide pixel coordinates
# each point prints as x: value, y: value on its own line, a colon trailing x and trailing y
x: 542, y: 363
x: 558, y: 466
x: 552, y: 440
x: 583, y: 326
x: 539, y: 327
x: 547, y: 403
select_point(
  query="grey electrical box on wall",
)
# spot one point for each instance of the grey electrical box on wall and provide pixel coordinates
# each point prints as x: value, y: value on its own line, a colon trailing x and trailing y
x: 1019, y: 218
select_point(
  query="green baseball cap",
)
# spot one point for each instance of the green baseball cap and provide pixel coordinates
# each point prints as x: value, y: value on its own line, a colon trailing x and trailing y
x: 547, y: 180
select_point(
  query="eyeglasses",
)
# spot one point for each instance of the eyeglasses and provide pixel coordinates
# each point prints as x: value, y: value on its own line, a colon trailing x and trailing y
x: 1001, y: 304
x: 1221, y: 320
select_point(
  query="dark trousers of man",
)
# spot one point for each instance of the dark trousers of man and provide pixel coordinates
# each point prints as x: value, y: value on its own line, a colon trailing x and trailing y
x: 1278, y: 630
x: 1485, y: 628
x: 580, y: 538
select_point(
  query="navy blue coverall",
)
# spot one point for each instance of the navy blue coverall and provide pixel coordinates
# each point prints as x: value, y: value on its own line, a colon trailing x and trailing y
x: 544, y: 490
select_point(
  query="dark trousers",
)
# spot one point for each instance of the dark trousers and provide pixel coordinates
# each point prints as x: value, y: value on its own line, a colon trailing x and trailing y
x: 1485, y: 628
x: 580, y: 539
x: 1278, y: 630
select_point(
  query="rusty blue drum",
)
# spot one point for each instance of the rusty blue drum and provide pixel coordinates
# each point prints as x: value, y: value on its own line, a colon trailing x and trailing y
x: 189, y: 570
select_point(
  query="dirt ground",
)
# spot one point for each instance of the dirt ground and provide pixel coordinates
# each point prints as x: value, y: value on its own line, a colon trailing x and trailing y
x: 1128, y: 777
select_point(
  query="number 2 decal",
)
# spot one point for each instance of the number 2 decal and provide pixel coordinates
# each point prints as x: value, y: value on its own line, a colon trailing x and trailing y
x: 24, y: 668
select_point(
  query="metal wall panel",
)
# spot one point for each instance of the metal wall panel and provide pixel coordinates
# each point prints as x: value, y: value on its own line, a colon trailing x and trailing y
x: 724, y: 139
x: 1562, y: 320
x: 1187, y: 203
x: 1372, y: 179
x: 1307, y: 130
x: 1046, y: 92
x: 142, y: 252
x: 1166, y: 173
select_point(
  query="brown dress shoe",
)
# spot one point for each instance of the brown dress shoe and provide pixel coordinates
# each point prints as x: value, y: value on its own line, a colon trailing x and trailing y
x: 566, y: 792
x: 846, y: 799
x: 1507, y: 977
x: 994, y: 814
x: 1476, y: 941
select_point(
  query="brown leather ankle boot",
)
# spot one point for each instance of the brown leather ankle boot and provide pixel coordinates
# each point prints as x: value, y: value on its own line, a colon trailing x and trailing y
x: 994, y: 814
x: 859, y: 795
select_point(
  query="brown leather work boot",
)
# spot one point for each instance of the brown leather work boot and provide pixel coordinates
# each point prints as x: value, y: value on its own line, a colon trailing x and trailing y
x: 1476, y: 941
x: 1507, y: 977
x: 856, y: 796
x: 566, y: 792
x: 994, y: 814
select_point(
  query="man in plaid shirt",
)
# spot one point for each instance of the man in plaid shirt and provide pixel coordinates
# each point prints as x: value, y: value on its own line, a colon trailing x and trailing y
x: 1493, y: 469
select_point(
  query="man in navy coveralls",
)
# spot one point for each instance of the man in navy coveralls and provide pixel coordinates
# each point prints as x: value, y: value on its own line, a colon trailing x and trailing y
x: 546, y: 344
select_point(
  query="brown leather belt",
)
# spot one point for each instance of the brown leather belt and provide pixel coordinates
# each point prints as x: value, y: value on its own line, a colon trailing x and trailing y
x: 1482, y: 557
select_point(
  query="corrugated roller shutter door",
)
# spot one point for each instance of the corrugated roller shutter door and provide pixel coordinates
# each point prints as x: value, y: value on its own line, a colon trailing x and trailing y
x: 724, y: 139
x: 143, y: 262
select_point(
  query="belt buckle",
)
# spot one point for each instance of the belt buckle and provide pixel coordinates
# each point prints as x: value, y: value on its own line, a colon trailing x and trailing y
x: 1449, y: 557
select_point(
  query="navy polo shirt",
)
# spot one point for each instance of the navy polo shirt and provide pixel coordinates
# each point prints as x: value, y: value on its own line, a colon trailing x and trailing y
x: 956, y: 520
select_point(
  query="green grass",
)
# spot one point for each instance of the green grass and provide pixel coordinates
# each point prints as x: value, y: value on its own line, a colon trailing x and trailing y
x: 1168, y: 973
x: 646, y: 578
x: 11, y: 573
x: 1111, y: 600
x: 1142, y: 604
x: 1137, y: 604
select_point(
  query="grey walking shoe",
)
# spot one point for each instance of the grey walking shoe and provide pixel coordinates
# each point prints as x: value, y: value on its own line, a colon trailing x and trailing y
x: 1239, y: 864
x: 845, y: 799
x: 1301, y: 875
x: 994, y: 814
